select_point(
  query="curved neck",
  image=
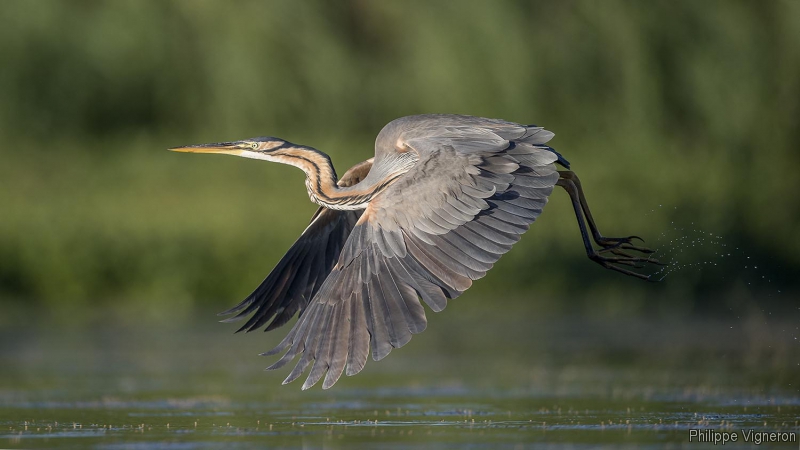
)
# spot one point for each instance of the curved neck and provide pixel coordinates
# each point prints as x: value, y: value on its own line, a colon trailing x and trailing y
x: 321, y: 180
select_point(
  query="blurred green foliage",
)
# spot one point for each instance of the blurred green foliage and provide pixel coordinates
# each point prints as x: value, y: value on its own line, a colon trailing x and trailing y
x: 675, y: 115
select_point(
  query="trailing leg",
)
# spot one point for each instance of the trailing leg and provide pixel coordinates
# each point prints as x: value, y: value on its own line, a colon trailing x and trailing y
x: 616, y: 246
x: 599, y: 239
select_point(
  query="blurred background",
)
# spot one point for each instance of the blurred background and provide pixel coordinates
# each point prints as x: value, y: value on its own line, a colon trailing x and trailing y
x: 681, y: 119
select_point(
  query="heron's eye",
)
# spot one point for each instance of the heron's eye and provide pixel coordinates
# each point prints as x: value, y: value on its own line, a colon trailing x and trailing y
x: 254, y: 145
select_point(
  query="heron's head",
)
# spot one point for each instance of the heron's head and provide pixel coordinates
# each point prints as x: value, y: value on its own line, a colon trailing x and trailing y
x: 249, y: 148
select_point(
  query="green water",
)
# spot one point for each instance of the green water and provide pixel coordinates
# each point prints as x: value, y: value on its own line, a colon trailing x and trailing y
x: 566, y: 382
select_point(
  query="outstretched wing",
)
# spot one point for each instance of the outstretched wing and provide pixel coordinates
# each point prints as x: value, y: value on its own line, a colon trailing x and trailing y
x: 440, y: 226
x: 301, y: 272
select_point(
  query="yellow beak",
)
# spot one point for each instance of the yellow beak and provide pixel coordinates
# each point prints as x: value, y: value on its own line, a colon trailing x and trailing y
x: 226, y: 148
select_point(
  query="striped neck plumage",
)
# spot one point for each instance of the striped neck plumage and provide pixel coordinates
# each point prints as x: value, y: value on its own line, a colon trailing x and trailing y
x: 321, y: 179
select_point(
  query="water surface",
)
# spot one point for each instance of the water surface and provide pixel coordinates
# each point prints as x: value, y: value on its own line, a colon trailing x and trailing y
x: 566, y: 382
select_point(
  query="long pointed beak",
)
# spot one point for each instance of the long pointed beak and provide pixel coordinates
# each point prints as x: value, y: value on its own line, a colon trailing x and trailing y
x: 227, y: 148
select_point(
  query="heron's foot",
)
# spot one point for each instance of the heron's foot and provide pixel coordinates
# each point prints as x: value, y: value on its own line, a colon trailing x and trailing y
x: 624, y: 243
x: 619, y: 248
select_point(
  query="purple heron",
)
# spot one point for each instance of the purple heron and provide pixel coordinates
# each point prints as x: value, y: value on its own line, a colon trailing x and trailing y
x: 444, y: 197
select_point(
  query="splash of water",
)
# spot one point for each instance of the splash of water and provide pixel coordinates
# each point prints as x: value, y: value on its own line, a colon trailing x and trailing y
x: 689, y: 247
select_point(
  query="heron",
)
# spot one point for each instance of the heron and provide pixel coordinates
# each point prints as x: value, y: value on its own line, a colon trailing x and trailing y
x: 443, y: 198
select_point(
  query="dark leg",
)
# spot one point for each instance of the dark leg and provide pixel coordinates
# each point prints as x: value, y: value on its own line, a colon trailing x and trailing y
x: 607, y: 243
x: 613, y: 245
